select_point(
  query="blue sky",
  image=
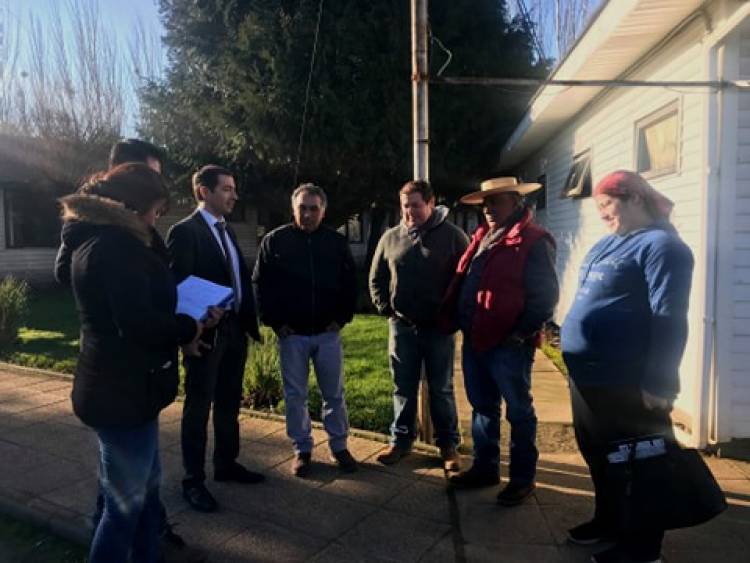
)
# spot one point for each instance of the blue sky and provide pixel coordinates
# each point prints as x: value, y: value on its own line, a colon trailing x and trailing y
x: 119, y: 17
x: 120, y: 14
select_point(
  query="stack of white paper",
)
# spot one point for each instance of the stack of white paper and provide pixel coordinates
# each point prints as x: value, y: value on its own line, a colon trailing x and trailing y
x: 195, y: 295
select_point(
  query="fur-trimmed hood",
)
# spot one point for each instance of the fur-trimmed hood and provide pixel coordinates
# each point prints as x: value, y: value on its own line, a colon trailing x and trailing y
x: 82, y: 211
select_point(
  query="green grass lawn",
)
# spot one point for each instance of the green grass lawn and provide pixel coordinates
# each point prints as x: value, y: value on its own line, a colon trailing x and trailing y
x: 49, y: 340
x: 369, y: 387
x: 49, y: 337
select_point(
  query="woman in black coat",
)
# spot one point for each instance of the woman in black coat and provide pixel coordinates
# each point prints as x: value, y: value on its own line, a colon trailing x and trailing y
x: 127, y: 366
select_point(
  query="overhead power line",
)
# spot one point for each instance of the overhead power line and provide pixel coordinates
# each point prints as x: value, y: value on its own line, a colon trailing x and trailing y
x: 537, y: 82
x: 530, y: 27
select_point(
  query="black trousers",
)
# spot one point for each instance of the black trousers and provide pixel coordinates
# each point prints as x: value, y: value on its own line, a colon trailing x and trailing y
x: 602, y: 415
x: 214, y: 378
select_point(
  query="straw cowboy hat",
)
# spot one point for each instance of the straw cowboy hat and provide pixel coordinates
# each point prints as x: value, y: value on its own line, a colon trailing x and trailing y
x: 499, y: 186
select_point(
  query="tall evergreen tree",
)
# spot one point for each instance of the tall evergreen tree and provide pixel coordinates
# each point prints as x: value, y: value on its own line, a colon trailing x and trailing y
x: 238, y: 70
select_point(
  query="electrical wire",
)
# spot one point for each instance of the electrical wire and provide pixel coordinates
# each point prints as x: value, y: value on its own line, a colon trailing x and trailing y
x: 307, y: 94
x: 530, y: 26
x: 445, y: 50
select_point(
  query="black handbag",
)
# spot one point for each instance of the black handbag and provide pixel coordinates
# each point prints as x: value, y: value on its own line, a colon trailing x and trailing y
x: 667, y: 490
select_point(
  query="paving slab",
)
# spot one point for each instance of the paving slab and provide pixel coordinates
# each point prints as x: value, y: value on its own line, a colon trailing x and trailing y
x: 392, y: 536
x: 400, y: 513
x: 423, y: 500
x: 267, y: 542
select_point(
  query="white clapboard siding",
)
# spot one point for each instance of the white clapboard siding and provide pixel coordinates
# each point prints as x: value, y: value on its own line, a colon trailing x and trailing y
x: 739, y: 362
x: 607, y: 129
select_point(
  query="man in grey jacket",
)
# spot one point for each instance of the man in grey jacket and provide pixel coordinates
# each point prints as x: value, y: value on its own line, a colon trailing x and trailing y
x: 410, y: 272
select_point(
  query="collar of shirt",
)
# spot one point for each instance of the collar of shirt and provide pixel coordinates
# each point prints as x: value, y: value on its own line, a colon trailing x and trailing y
x: 210, y: 219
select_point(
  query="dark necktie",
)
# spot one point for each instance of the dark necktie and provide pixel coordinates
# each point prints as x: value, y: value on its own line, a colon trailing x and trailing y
x: 222, y: 228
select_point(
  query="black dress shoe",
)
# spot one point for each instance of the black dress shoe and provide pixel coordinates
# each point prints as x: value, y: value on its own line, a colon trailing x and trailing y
x: 174, y: 550
x: 591, y: 532
x: 197, y: 496
x: 238, y: 474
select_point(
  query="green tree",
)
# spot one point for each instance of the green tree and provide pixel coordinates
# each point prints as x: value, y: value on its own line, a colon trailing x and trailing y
x: 235, y: 88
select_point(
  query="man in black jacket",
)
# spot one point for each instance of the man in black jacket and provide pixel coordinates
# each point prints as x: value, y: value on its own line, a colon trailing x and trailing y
x: 306, y: 288
x: 204, y: 245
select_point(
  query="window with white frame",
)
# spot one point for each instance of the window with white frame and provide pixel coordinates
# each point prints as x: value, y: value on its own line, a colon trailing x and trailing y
x: 578, y: 182
x: 657, y: 142
x: 32, y: 218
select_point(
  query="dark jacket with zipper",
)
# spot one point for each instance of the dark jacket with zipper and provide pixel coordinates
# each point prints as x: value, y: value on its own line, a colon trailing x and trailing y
x: 126, y: 298
x: 305, y: 281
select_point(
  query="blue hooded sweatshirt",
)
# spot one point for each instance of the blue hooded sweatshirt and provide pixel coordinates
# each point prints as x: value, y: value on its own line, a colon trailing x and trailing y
x: 628, y: 324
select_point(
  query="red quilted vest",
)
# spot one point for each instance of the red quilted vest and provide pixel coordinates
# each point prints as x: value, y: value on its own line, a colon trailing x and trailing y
x: 500, y: 299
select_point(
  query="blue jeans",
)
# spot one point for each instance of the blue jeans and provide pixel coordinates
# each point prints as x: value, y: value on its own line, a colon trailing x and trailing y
x: 408, y: 348
x: 130, y: 475
x: 295, y: 353
x: 96, y: 516
x: 502, y: 373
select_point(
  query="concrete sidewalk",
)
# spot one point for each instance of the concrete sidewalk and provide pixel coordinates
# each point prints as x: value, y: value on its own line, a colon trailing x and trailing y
x: 551, y: 402
x: 48, y: 474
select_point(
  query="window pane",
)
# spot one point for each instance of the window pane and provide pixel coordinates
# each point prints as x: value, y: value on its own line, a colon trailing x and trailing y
x: 657, y: 145
x: 31, y: 219
x: 578, y: 183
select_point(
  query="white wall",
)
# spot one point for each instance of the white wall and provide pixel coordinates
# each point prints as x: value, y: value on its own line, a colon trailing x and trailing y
x: 733, y: 303
x: 607, y: 128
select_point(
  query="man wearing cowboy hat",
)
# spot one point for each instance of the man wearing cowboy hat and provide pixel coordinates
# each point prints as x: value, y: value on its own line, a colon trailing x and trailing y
x: 504, y: 290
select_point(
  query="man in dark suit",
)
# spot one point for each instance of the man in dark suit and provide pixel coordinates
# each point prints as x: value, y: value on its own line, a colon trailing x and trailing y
x: 204, y: 245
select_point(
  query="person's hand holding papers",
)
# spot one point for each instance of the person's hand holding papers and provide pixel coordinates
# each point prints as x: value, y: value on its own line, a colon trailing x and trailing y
x: 195, y: 346
x: 213, y: 318
x: 215, y: 314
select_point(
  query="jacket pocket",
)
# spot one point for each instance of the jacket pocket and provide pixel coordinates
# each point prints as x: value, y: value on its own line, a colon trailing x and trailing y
x: 163, y: 383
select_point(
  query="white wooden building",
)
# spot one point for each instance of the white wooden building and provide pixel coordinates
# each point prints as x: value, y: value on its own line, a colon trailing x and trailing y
x: 693, y: 144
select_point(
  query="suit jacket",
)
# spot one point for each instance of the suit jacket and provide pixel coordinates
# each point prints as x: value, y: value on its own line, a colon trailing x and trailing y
x: 194, y: 251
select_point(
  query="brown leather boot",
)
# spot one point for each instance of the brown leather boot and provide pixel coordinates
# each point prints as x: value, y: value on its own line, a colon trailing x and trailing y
x: 392, y: 455
x: 451, y: 459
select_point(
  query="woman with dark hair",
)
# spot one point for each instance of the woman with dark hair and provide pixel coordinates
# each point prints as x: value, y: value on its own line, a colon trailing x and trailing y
x: 622, y: 341
x: 127, y: 366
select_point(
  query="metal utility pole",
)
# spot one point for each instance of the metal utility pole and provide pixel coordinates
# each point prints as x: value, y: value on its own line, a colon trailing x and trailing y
x: 420, y: 80
x: 420, y: 72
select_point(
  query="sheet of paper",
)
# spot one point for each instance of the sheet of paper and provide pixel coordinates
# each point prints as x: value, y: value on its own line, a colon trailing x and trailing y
x: 195, y: 295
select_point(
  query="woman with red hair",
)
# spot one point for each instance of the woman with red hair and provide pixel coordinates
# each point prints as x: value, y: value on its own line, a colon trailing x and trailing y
x: 622, y: 341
